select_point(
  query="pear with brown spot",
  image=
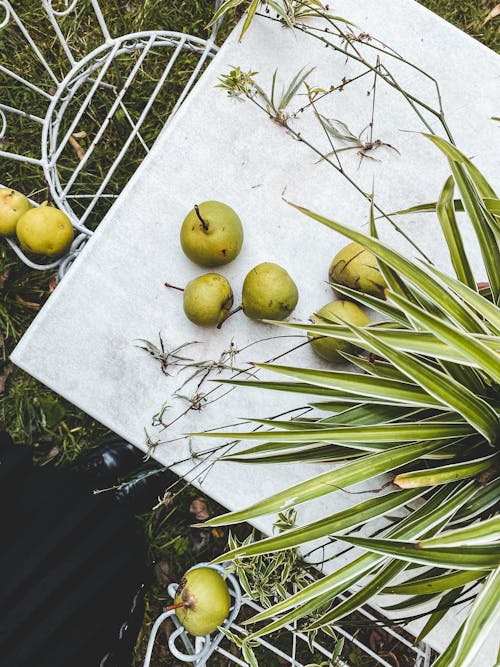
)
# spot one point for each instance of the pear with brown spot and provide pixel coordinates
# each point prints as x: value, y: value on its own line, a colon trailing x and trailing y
x: 202, y: 601
x: 45, y: 230
x: 211, y: 234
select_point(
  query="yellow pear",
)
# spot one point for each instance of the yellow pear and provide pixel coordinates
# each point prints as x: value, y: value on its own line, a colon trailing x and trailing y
x: 357, y: 268
x: 12, y: 206
x: 208, y: 299
x: 211, y: 234
x: 268, y: 293
x: 44, y: 230
x: 202, y: 600
x: 339, y: 311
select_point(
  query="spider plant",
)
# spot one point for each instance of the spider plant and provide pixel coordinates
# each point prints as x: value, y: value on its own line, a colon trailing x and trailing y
x: 424, y: 408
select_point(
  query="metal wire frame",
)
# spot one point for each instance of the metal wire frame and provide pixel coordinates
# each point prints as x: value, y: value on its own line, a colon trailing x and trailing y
x: 199, y: 653
x: 87, y: 74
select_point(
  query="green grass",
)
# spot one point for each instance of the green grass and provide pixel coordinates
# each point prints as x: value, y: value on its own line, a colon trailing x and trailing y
x: 58, y: 431
x: 469, y: 15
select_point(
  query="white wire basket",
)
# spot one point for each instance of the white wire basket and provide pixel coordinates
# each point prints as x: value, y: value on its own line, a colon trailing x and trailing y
x: 270, y: 650
x: 94, y: 96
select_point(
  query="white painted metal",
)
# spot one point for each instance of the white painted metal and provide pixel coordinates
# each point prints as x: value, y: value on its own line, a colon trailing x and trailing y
x: 87, y: 71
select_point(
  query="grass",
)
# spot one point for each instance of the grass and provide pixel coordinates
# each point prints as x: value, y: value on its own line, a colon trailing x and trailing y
x: 57, y: 430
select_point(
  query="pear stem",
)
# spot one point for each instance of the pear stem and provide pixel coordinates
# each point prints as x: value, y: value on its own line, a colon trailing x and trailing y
x: 204, y: 223
x: 181, y: 289
x: 175, y: 606
x: 232, y: 312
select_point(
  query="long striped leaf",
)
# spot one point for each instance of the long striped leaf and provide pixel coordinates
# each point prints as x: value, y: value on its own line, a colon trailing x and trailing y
x: 364, y: 387
x: 455, y: 155
x: 445, y: 604
x: 482, y: 557
x: 420, y: 342
x: 488, y: 310
x: 492, y: 204
x: 418, y: 275
x: 320, y: 454
x: 446, y: 215
x: 345, y: 434
x: 346, y: 519
x: 483, y: 532
x: 346, y: 475
x: 438, y: 584
x: 484, y: 226
x: 486, y: 498
x: 444, y: 388
x: 444, y: 474
x: 481, y: 620
x: 439, y: 507
x: 369, y: 590
x: 373, y: 302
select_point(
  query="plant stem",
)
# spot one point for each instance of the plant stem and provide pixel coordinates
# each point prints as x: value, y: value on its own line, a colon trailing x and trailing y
x: 204, y: 223
x: 226, y: 317
x: 181, y: 289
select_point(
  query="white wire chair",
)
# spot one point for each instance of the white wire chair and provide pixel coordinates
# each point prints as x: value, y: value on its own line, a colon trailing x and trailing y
x: 89, y: 96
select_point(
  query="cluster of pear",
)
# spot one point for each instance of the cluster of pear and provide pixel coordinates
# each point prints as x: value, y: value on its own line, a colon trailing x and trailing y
x: 212, y: 235
x: 40, y: 230
x: 354, y: 267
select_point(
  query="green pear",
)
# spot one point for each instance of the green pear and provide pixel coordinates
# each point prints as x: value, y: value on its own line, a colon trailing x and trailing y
x: 339, y: 311
x: 357, y: 268
x: 45, y: 230
x: 211, y: 234
x: 12, y: 206
x: 208, y: 299
x: 203, y: 601
x: 268, y: 293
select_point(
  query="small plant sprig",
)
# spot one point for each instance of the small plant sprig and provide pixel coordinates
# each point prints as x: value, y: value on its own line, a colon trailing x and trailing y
x: 271, y: 578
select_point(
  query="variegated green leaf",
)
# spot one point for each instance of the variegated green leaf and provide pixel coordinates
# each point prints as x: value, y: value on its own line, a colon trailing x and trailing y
x: 390, y: 433
x: 482, y: 532
x: 446, y: 215
x: 418, y: 275
x: 364, y: 387
x: 346, y: 519
x: 484, y: 557
x: 438, y: 508
x: 444, y: 388
x: 446, y: 602
x: 488, y: 310
x: 455, y: 155
x: 420, y: 342
x: 481, y: 620
x: 344, y: 476
x: 444, y: 474
x: 437, y: 584
x: 369, y: 590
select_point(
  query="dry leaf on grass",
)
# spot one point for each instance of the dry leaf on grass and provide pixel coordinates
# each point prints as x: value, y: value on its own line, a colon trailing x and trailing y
x: 494, y: 12
x: 4, y: 276
x: 80, y: 152
x: 28, y: 304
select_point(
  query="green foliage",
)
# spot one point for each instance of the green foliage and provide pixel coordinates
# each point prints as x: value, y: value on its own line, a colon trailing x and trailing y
x: 457, y: 424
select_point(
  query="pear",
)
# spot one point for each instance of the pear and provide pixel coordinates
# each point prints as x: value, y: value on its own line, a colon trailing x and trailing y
x: 208, y: 299
x: 12, y: 206
x: 44, y: 230
x: 339, y: 311
x: 357, y: 268
x: 268, y: 293
x: 202, y: 600
x: 211, y: 234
